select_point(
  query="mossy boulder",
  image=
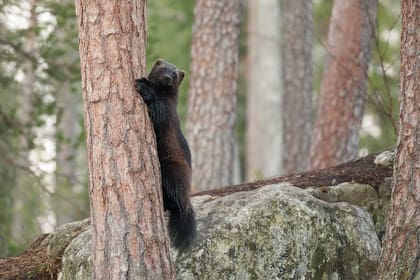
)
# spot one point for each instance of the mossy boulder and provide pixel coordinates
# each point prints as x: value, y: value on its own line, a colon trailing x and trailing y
x: 274, y: 232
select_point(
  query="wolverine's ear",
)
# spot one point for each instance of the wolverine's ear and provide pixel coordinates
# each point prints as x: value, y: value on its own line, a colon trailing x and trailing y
x: 181, y: 75
x: 158, y: 62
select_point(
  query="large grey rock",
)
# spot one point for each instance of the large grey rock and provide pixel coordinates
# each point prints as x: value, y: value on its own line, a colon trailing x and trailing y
x: 77, y: 258
x: 274, y: 232
x: 376, y: 202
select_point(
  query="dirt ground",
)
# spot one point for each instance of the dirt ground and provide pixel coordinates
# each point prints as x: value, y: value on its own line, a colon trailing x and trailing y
x: 362, y: 170
x: 33, y: 264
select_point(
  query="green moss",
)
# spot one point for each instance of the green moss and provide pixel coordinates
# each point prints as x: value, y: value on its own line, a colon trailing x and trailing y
x: 319, y: 265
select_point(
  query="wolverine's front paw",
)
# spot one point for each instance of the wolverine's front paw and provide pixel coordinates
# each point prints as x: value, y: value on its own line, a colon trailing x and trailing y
x: 145, y: 89
x: 142, y: 83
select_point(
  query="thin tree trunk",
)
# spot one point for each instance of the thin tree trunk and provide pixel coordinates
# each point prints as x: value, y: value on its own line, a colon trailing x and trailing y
x: 212, y: 98
x: 68, y: 149
x: 128, y: 230
x: 27, y: 96
x: 343, y: 87
x: 23, y: 191
x: 264, y: 152
x: 66, y: 181
x: 400, y: 258
x: 297, y: 84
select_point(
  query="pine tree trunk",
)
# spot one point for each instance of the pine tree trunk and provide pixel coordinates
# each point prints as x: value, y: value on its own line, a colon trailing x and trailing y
x: 343, y: 87
x: 297, y: 84
x: 401, y: 248
x: 264, y: 154
x: 211, y: 118
x: 128, y: 230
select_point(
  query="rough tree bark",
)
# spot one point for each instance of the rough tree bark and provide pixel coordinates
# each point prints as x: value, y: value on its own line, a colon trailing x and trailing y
x: 129, y: 234
x: 211, y: 118
x: 264, y: 120
x: 340, y: 107
x: 297, y: 84
x: 401, y: 249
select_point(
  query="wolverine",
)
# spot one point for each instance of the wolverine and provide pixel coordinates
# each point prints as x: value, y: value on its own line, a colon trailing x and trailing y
x: 159, y: 91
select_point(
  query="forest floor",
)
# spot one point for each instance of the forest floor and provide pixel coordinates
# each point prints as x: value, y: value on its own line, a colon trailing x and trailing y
x: 362, y: 171
x: 36, y: 263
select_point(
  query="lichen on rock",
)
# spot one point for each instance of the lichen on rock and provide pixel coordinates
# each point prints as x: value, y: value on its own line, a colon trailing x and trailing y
x: 279, y: 232
x: 274, y: 232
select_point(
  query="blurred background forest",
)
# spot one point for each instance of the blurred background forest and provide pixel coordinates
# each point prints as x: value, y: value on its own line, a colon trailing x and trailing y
x: 43, y: 168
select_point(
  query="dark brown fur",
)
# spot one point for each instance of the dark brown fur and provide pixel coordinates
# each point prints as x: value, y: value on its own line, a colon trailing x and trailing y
x: 159, y: 91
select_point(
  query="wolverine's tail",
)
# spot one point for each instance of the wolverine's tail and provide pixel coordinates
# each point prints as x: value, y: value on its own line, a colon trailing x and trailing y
x: 182, y: 228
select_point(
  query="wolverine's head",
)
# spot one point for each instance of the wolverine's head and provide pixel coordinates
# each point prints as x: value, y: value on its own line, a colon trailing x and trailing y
x: 165, y: 75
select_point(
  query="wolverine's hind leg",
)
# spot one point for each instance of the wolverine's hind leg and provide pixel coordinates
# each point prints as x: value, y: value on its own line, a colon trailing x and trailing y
x: 176, y: 186
x: 176, y: 198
